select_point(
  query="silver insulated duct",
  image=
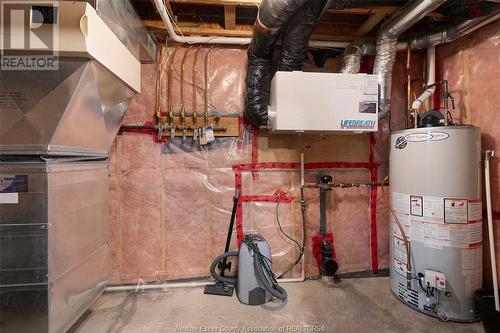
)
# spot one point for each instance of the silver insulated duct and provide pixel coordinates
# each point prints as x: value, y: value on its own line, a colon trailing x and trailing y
x: 387, y: 40
x: 454, y: 32
x: 351, y: 63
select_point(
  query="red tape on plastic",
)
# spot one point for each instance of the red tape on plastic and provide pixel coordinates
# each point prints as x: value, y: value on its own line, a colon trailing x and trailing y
x: 373, y: 206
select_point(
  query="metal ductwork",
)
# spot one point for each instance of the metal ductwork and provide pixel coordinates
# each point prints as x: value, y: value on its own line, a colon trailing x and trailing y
x: 447, y: 34
x: 77, y: 108
x: 351, y: 63
x: 387, y: 40
x: 450, y: 33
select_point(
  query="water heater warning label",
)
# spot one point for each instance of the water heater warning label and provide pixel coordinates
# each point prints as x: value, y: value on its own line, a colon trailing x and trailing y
x: 438, y: 222
x: 455, y: 211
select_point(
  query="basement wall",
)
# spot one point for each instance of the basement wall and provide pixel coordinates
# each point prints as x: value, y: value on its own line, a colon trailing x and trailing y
x: 170, y: 203
x: 472, y: 67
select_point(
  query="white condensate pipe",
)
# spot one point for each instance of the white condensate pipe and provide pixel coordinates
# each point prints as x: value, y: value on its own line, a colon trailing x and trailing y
x: 431, y: 79
x: 162, y: 10
x: 488, y: 155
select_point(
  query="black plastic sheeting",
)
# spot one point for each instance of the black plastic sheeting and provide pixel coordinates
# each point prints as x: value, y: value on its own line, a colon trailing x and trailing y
x: 273, y: 14
x: 258, y: 82
x: 296, y: 35
x: 299, y: 18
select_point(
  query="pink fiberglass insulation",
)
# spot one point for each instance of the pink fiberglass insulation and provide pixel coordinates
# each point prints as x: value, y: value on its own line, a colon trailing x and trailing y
x: 170, y: 204
x: 472, y: 67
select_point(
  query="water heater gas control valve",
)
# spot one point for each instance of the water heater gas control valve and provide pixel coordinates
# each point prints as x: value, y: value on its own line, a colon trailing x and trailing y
x: 434, y: 279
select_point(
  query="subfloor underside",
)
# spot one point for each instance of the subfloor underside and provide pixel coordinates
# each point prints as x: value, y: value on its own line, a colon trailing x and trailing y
x: 351, y: 305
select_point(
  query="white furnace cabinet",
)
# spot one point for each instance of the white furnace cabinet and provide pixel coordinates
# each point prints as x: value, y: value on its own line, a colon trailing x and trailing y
x: 323, y: 102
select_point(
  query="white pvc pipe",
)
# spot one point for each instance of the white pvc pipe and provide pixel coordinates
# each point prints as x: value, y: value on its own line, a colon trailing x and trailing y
x: 162, y: 10
x: 431, y: 79
x: 164, y: 286
x: 191, y: 284
x: 488, y: 156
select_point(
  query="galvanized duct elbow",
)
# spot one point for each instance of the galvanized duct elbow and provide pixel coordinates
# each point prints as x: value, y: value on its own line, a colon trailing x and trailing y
x: 387, y: 40
x: 272, y: 16
x: 351, y: 62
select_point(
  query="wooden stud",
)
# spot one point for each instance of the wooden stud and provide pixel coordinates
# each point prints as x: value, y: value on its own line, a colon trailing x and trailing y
x: 369, y: 24
x: 230, y: 17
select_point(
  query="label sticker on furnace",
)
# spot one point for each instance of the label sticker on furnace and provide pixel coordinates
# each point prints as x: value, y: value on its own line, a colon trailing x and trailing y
x: 455, y: 211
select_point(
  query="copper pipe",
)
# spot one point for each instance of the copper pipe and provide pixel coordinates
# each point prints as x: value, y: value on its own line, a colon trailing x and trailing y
x: 206, y: 84
x: 195, y: 61
x: 158, y: 82
x: 408, y: 77
x: 170, y: 112
x: 195, y: 113
x: 171, y: 69
x: 183, y: 69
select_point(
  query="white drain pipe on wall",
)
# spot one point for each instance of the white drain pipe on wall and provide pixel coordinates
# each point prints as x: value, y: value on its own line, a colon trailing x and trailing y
x: 162, y: 10
x: 488, y: 155
x: 431, y: 79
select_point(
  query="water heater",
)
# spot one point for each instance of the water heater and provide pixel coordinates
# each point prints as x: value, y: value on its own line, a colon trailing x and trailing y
x: 435, y: 176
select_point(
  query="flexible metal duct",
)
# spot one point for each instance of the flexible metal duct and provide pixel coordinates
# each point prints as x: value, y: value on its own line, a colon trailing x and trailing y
x: 387, y: 40
x: 353, y: 54
x: 450, y: 33
x: 447, y: 34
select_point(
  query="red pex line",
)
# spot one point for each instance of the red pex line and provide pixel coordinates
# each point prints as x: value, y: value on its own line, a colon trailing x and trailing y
x: 151, y: 132
x: 239, y: 208
x: 308, y: 166
x: 278, y: 196
x: 373, y: 142
x: 265, y: 198
x: 373, y: 221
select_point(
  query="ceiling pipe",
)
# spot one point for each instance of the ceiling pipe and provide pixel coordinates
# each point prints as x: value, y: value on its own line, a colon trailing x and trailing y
x: 386, y: 45
x: 431, y: 79
x: 358, y: 49
x: 162, y: 10
x: 452, y: 33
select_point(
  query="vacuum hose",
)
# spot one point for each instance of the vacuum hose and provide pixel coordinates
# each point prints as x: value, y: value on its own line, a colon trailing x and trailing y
x: 265, y: 278
x: 273, y: 288
x: 225, y: 279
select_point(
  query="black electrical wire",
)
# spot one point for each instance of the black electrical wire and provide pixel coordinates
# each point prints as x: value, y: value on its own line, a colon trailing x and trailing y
x: 301, y: 249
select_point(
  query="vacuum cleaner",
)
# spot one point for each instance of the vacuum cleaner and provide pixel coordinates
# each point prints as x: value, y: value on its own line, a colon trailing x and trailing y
x: 256, y: 283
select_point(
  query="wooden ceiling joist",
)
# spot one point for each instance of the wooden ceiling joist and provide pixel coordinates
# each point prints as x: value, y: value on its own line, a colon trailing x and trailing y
x: 230, y: 17
x: 326, y: 33
x: 243, y: 3
x: 370, y: 23
x: 337, y: 25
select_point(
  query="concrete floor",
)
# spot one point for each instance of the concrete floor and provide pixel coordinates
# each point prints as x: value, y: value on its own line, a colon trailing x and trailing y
x: 352, y: 305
